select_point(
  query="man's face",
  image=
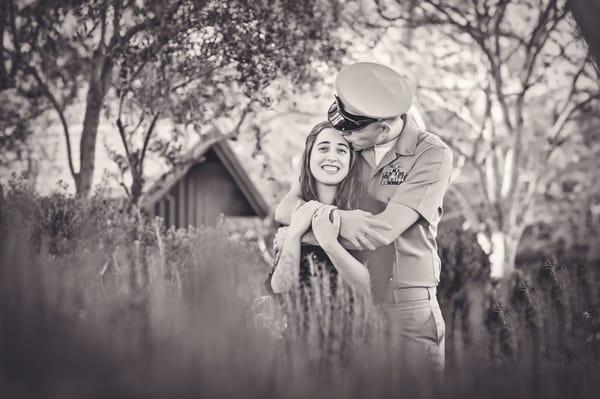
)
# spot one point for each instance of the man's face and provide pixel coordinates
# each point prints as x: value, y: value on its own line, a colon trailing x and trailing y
x: 364, y: 138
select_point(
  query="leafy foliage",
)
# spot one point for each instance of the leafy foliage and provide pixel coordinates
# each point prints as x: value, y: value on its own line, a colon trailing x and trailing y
x: 184, y: 60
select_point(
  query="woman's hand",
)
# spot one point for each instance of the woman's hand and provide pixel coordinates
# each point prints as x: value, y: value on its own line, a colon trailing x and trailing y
x: 324, y: 228
x: 302, y: 217
x: 326, y: 232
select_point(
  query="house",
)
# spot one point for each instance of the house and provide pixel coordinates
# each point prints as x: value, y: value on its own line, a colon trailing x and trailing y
x: 210, y: 182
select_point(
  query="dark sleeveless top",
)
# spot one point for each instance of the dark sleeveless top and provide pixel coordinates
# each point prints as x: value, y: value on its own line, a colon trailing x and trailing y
x: 315, y: 262
x: 315, y: 265
x: 324, y: 311
x: 316, y: 272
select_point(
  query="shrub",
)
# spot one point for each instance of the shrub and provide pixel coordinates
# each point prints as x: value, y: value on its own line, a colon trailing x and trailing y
x: 464, y: 284
x: 98, y: 301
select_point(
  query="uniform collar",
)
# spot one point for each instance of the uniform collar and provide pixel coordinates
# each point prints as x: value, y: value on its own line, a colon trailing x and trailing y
x: 407, y: 141
x: 406, y: 145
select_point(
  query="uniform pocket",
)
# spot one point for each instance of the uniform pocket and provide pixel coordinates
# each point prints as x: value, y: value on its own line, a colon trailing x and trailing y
x: 438, y: 319
x: 412, y: 319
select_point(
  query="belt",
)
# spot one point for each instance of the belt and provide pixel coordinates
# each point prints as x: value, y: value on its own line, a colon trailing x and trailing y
x: 411, y: 294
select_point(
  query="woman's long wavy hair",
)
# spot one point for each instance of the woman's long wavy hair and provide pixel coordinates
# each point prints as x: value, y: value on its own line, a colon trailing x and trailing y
x: 349, y: 191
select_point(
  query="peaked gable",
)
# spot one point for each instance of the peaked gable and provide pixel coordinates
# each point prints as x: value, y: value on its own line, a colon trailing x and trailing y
x: 196, y: 156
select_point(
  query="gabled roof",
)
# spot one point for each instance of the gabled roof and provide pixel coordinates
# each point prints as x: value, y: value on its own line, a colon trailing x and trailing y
x: 231, y: 162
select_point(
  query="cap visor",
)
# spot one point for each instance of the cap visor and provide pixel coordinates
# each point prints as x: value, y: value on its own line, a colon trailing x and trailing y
x: 340, y: 122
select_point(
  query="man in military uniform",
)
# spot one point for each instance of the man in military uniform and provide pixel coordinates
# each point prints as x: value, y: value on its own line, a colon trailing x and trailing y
x: 408, y: 170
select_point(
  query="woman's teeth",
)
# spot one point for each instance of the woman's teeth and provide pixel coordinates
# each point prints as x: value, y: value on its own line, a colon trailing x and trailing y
x: 330, y: 168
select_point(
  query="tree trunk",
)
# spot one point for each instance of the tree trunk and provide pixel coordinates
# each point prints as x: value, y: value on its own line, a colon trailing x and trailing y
x: 503, y: 254
x: 100, y: 80
x: 586, y: 14
x: 136, y: 188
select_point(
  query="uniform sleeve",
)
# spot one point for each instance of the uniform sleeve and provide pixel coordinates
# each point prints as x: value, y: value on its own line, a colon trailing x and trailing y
x: 426, y: 183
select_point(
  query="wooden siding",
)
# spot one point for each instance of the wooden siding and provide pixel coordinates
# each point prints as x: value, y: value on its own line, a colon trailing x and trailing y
x: 205, y: 192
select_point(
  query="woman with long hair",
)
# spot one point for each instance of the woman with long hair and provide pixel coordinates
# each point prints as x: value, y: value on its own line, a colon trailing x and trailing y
x: 327, y: 181
x: 325, y: 288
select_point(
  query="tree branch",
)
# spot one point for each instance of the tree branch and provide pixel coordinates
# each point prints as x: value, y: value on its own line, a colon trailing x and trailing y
x: 573, y: 86
x: 455, y: 147
x: 562, y: 120
x: 495, y: 71
x: 381, y: 12
x: 445, y: 105
x: 122, y: 184
x: 495, y: 181
x: 498, y: 17
x: 468, y: 212
x: 464, y: 26
x: 483, y: 186
x: 245, y: 113
x: 16, y: 56
x: 541, y: 22
x: 103, y: 11
x: 204, y: 72
x: 58, y: 108
x: 487, y: 119
x: 537, y: 42
x: 123, y: 135
x: 528, y: 200
x: 147, y: 138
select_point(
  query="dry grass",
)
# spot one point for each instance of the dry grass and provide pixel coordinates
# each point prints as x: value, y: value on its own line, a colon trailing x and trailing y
x: 96, y: 301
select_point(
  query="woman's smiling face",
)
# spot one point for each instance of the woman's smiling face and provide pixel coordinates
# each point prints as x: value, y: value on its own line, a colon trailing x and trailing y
x: 330, y: 157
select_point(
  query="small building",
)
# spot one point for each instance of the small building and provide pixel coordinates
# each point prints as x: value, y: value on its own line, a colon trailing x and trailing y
x: 210, y: 182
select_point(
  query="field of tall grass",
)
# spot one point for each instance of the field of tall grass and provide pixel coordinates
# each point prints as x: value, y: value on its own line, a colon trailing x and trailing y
x: 98, y: 301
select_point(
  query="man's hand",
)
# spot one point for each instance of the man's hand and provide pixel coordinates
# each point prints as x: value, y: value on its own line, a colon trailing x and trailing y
x: 358, y: 227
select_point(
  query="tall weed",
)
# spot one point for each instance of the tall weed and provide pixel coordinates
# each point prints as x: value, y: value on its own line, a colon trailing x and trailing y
x: 98, y: 301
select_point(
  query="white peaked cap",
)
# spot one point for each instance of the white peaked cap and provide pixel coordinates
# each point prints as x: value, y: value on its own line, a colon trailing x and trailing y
x: 373, y: 90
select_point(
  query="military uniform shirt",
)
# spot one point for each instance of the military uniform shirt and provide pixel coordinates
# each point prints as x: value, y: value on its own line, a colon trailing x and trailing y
x: 416, y: 174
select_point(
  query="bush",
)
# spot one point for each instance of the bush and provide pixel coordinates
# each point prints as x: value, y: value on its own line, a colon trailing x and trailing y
x: 98, y: 301
x: 544, y: 320
x: 464, y: 284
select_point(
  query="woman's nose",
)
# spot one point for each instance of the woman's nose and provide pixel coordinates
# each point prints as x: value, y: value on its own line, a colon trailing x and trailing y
x: 332, y: 156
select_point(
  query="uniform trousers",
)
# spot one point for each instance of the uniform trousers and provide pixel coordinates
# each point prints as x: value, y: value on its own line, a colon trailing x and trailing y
x: 415, y: 330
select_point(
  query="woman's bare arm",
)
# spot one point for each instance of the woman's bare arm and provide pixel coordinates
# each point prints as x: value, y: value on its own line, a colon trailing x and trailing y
x: 350, y: 269
x: 285, y: 208
x: 285, y: 275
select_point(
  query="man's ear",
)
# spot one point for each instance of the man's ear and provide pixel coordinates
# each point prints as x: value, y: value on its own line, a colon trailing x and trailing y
x: 384, y: 127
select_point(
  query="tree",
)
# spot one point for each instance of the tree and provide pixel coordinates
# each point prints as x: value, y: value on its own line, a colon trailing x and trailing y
x: 509, y: 83
x: 569, y: 219
x: 59, y: 47
x: 213, y: 73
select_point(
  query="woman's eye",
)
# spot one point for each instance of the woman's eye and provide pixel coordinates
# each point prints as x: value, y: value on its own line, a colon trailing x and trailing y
x: 342, y: 151
x: 323, y: 149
